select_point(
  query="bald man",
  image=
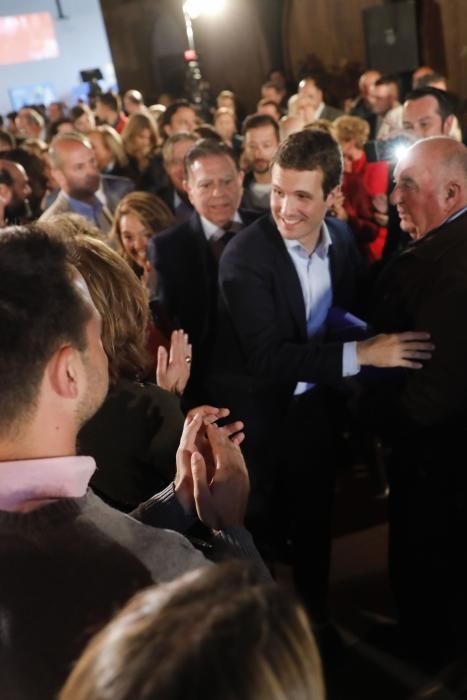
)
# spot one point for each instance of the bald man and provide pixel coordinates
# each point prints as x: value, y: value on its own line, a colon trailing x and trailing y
x: 82, y: 188
x: 425, y: 413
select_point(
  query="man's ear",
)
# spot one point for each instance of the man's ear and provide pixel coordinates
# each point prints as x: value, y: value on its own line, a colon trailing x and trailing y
x: 447, y: 126
x: 240, y: 176
x: 5, y: 194
x: 330, y: 199
x: 59, y: 177
x: 64, y: 373
x: 452, y: 196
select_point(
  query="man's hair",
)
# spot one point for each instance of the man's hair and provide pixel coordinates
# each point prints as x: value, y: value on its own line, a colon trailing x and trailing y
x: 166, y: 117
x: 110, y: 99
x: 204, y: 148
x: 316, y: 79
x: 74, y: 136
x: 40, y: 311
x: 5, y: 177
x: 444, y: 105
x: 253, y: 641
x: 271, y: 84
x: 312, y: 150
x: 207, y: 131
x: 167, y: 148
x: 7, y: 138
x: 428, y: 78
x: 389, y: 79
x: 255, y: 121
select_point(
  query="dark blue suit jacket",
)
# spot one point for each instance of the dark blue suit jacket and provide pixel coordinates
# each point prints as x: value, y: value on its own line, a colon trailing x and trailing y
x: 187, y: 284
x: 262, y: 349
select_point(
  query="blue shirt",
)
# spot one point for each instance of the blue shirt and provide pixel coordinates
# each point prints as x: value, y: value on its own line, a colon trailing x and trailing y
x: 315, y: 280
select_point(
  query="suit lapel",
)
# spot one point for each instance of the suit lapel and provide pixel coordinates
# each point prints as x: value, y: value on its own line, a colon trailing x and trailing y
x: 288, y: 280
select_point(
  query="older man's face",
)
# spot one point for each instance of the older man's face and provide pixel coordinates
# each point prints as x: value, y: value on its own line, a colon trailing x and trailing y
x: 214, y: 187
x: 418, y: 194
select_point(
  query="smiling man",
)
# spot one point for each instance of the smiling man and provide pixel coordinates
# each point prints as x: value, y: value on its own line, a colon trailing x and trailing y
x: 424, y: 414
x: 186, y: 256
x: 279, y: 280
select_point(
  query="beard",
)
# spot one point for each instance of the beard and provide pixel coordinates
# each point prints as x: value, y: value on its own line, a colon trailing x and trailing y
x: 260, y: 166
x: 87, y: 189
x: 18, y: 212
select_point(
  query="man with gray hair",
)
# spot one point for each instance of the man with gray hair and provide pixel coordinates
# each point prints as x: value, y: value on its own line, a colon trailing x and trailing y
x: 82, y: 188
x: 424, y: 413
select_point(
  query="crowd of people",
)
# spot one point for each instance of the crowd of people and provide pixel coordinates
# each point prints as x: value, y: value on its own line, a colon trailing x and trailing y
x: 193, y: 310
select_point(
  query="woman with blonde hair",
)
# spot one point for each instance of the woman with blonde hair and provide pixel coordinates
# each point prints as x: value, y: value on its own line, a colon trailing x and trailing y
x: 110, y: 153
x: 135, y: 434
x: 365, y: 187
x: 141, y: 142
x: 138, y: 217
x: 213, y: 634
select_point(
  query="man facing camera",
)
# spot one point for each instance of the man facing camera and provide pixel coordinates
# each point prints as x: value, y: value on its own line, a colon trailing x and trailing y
x: 280, y: 283
x: 186, y: 256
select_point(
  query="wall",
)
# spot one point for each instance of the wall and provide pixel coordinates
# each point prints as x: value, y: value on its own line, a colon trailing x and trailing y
x: 148, y: 39
x: 330, y: 29
x: 82, y: 42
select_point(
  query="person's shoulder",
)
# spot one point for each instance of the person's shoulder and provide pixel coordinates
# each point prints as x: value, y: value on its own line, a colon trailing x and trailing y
x: 117, y: 183
x: 253, y: 244
x: 60, y: 205
x: 339, y: 230
x: 331, y: 113
x: 178, y: 232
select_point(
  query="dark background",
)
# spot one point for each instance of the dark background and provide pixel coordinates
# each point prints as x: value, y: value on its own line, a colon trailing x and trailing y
x: 237, y: 49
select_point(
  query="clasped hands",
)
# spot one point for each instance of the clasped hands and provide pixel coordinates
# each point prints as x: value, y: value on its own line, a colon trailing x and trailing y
x: 212, y: 478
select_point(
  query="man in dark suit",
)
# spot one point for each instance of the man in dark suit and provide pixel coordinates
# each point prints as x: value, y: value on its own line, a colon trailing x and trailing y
x: 425, y: 413
x: 173, y: 192
x: 279, y: 281
x: 83, y: 190
x: 186, y: 256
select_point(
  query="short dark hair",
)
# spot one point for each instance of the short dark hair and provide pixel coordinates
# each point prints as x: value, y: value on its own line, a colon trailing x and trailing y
x: 254, y: 121
x: 389, y: 79
x: 110, y: 99
x: 271, y: 84
x: 204, y: 148
x: 429, y: 78
x: 6, y: 137
x: 318, y: 80
x: 445, y: 106
x: 312, y: 150
x: 166, y: 117
x: 39, y: 311
x: 5, y: 177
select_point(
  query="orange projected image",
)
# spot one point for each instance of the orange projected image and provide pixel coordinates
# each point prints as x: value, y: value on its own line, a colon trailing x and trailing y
x: 27, y: 38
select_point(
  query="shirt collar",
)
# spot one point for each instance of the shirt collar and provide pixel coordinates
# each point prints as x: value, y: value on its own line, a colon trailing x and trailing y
x: 319, y: 110
x: 23, y: 481
x: 322, y: 247
x: 87, y: 210
x: 212, y: 230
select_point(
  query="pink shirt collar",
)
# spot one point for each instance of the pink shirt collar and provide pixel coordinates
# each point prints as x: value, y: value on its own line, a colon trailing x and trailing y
x: 34, y: 481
